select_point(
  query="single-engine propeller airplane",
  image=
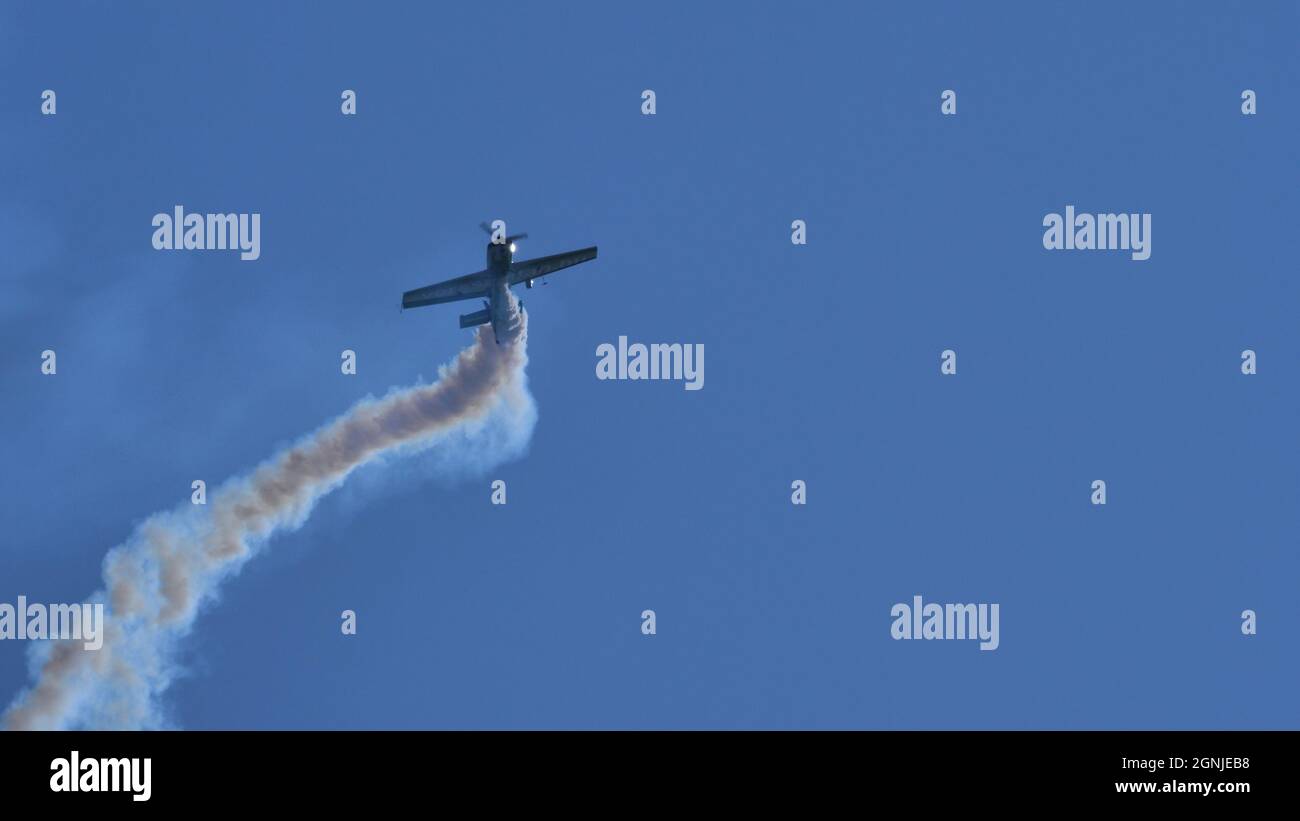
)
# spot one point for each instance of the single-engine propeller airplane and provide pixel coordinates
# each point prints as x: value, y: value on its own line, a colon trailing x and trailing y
x: 492, y: 284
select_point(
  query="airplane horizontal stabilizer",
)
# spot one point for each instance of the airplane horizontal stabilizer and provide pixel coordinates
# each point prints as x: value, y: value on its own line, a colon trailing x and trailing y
x: 477, y: 318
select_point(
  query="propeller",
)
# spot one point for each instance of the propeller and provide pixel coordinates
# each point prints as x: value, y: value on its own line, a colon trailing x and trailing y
x: 487, y: 229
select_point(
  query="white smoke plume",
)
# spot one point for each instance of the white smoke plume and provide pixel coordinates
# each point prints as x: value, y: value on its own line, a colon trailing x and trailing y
x: 155, y: 583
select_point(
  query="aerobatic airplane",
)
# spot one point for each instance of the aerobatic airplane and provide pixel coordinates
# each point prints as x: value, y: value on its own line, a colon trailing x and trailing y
x: 492, y: 284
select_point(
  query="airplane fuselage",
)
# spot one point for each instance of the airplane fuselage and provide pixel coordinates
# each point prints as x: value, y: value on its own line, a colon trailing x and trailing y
x: 499, y: 257
x: 504, y: 310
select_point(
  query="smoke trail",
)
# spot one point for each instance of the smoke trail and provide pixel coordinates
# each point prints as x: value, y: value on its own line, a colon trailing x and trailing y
x: 175, y: 561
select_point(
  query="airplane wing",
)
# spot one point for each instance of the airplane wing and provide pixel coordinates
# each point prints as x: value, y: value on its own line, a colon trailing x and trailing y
x: 469, y: 286
x: 534, y: 268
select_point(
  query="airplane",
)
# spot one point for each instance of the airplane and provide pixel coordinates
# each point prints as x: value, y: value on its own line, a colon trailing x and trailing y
x: 492, y: 284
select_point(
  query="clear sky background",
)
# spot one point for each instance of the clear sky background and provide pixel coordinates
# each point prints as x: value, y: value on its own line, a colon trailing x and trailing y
x: 822, y: 361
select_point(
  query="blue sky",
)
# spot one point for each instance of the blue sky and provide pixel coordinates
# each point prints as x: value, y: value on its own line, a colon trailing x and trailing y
x: 821, y: 360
